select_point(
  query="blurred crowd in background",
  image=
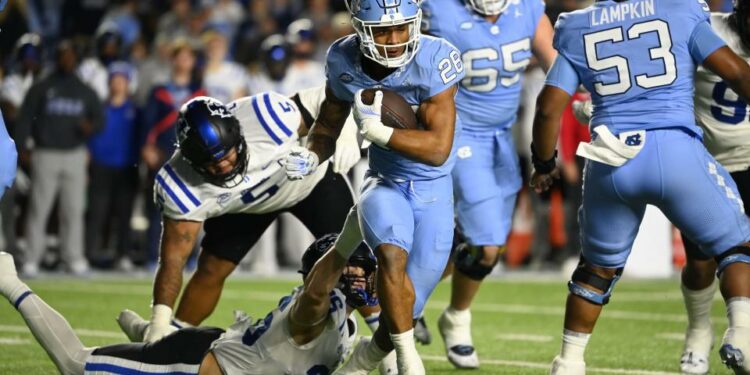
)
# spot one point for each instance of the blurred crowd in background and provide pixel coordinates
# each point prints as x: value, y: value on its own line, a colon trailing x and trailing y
x: 83, y: 198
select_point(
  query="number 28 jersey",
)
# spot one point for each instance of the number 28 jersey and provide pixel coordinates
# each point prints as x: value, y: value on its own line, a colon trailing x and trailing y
x: 723, y: 116
x: 269, y: 123
x: 638, y: 59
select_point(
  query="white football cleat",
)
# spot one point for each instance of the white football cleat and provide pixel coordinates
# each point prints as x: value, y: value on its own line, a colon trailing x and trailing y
x: 389, y: 365
x: 356, y: 365
x: 698, y: 344
x: 563, y: 367
x: 132, y: 325
x: 421, y: 332
x: 456, y: 332
x: 734, y: 349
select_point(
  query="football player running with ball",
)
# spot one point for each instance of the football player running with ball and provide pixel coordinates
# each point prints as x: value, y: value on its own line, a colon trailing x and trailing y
x: 228, y: 177
x: 639, y: 66
x: 309, y: 332
x: 406, y: 206
x: 497, y: 38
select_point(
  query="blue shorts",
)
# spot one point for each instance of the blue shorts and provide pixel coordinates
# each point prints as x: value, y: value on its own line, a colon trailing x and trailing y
x: 673, y: 172
x: 487, y: 178
x: 416, y: 216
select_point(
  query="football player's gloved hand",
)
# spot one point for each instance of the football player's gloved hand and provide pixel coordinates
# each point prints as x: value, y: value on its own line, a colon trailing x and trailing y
x: 300, y: 162
x: 368, y: 121
x: 160, y: 325
x: 347, y: 149
x: 582, y: 110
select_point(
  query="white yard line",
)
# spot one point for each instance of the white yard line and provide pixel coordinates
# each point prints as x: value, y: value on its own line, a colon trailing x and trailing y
x: 545, y: 366
x: 145, y: 291
x: 524, y: 337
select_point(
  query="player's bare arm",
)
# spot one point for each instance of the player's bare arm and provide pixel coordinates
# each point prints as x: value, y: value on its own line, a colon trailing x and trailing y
x: 733, y: 69
x: 177, y: 241
x: 541, y: 46
x: 432, y: 145
x: 549, y: 108
x: 309, y: 313
x: 323, y: 134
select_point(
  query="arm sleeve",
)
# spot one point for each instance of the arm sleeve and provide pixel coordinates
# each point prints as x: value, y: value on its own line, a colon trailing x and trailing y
x: 175, y: 199
x: 704, y: 41
x: 563, y: 76
x: 447, y: 69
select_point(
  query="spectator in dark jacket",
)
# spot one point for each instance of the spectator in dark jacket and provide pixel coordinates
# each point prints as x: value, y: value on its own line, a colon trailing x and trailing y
x: 59, y: 114
x: 113, y: 173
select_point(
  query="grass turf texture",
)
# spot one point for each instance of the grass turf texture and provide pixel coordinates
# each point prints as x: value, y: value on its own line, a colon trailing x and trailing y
x: 516, y: 324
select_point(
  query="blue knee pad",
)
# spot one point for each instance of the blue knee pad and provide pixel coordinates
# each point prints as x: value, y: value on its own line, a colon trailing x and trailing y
x: 583, y: 275
x: 737, y: 254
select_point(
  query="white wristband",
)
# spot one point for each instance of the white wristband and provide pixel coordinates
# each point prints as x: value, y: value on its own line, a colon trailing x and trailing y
x: 379, y: 135
x: 161, y: 314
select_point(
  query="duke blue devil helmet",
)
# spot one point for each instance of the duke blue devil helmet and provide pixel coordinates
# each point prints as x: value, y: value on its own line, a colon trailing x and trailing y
x: 370, y: 14
x: 489, y: 7
x: 362, y: 258
x: 207, y: 132
x: 741, y: 17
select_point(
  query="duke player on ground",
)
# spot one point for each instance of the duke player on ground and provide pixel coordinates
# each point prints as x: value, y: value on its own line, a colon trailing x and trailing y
x: 497, y: 38
x: 638, y: 58
x: 228, y: 173
x: 8, y: 156
x: 308, y: 333
x: 405, y: 210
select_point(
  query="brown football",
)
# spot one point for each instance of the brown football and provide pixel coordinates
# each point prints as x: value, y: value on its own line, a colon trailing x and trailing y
x: 395, y: 112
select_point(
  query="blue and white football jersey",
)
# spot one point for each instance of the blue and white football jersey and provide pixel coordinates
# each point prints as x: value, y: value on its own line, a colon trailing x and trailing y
x: 638, y: 59
x: 436, y: 67
x: 495, y: 56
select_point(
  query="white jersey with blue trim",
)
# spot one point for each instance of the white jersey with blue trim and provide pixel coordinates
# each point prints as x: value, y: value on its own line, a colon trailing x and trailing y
x: 495, y: 56
x: 269, y: 123
x: 721, y: 113
x: 267, y: 347
x: 436, y: 67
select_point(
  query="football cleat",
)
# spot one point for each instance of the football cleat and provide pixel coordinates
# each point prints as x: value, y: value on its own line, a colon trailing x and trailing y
x: 698, y: 344
x: 389, y: 365
x: 563, y: 367
x: 456, y: 332
x: 132, y: 325
x: 734, y: 347
x: 357, y: 364
x: 421, y: 332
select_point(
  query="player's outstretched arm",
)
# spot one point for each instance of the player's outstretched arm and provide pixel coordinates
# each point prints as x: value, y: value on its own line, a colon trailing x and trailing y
x: 323, y: 135
x: 732, y: 68
x: 432, y: 145
x: 309, y: 314
x: 177, y: 240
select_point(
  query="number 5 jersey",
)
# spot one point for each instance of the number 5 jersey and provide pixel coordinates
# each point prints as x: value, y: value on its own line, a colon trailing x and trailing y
x: 269, y: 123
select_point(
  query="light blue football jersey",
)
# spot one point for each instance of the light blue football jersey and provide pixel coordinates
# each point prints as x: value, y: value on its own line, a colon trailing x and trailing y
x: 436, y: 67
x: 495, y: 56
x: 637, y: 58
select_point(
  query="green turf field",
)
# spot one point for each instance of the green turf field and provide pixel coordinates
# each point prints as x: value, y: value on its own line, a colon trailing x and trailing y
x: 517, y: 324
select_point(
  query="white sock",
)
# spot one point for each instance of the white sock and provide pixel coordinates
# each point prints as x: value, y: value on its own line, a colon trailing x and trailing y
x: 574, y: 345
x: 373, y: 321
x: 460, y: 321
x: 738, y: 312
x: 13, y: 288
x: 407, y: 356
x: 698, y: 305
x: 54, y: 333
x: 366, y: 357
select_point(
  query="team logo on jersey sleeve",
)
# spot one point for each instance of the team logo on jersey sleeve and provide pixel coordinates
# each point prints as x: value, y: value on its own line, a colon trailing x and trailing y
x: 223, y: 198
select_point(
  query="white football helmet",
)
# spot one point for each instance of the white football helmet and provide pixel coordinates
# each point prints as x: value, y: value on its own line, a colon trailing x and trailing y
x: 370, y: 14
x: 488, y: 7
